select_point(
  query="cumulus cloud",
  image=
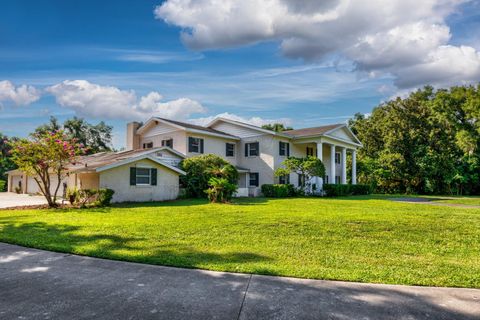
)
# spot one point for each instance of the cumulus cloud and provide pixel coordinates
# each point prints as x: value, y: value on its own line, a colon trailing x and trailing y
x: 256, y: 121
x: 110, y: 102
x: 406, y: 38
x: 21, y: 95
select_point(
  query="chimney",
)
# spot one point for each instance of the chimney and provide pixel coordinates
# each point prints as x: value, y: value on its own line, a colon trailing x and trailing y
x: 133, y: 139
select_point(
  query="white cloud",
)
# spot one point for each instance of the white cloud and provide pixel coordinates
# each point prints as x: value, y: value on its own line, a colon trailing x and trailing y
x: 110, y: 102
x: 380, y: 37
x: 20, y: 96
x: 256, y: 121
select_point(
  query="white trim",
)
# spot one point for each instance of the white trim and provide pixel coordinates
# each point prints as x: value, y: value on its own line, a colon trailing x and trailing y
x: 133, y: 159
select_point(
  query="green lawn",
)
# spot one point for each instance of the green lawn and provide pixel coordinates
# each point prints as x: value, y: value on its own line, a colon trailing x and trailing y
x: 368, y: 239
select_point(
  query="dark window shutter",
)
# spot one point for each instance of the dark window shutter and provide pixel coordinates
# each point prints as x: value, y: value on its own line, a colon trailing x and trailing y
x: 201, y: 145
x: 246, y: 149
x: 257, y: 176
x: 226, y: 149
x: 133, y: 176
x: 190, y: 141
x: 288, y: 149
x: 153, y: 176
x: 171, y: 143
x: 280, y: 145
x: 258, y: 149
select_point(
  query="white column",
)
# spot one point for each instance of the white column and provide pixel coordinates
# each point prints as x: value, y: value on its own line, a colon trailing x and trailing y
x: 319, y: 180
x: 331, y: 178
x: 354, y: 166
x: 344, y: 165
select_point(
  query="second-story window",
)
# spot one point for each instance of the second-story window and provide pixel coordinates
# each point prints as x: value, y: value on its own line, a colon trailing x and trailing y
x: 195, y: 145
x: 167, y: 143
x: 230, y: 149
x: 148, y: 145
x: 284, y: 148
x: 252, y: 149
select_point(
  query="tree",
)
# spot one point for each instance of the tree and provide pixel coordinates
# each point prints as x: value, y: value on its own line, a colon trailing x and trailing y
x: 46, y: 155
x: 96, y: 138
x: 200, y: 169
x: 6, y: 162
x: 277, y: 127
x: 220, y: 190
x: 307, y: 167
x: 428, y: 142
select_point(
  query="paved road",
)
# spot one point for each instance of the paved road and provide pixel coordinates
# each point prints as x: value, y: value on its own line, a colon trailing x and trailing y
x: 9, y: 199
x: 36, y: 284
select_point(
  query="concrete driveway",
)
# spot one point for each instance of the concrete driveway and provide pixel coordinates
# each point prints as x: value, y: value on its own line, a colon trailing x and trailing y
x: 9, y: 199
x: 36, y: 284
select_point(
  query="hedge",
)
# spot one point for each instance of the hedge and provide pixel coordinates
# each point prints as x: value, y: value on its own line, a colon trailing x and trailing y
x: 2, y: 185
x: 339, y: 190
x: 278, y: 190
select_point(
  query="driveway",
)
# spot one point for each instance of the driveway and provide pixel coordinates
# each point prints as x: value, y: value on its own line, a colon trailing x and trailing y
x: 36, y: 284
x: 9, y: 199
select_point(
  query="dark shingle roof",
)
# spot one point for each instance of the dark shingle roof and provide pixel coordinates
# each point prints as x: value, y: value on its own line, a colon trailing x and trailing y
x: 305, y: 132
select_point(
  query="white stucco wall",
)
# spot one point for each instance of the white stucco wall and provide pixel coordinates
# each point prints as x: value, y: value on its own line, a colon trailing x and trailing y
x: 118, y: 179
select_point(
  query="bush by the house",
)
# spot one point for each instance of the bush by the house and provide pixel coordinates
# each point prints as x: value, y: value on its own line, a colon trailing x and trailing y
x: 72, y: 195
x: 90, y: 197
x: 278, y: 190
x: 220, y: 190
x: 339, y: 190
x: 2, y: 185
x: 200, y: 169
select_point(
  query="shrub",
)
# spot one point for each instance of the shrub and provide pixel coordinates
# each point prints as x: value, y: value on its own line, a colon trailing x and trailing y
x: 278, y: 190
x: 339, y: 190
x: 104, y: 197
x: 18, y: 190
x: 2, y: 185
x: 200, y: 169
x: 73, y: 195
x: 220, y: 190
x: 95, y: 197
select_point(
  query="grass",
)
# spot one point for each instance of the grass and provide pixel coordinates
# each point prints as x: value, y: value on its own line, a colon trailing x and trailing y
x: 367, y: 239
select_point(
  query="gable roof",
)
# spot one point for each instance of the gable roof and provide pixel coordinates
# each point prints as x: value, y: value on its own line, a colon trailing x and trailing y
x: 246, y: 125
x: 326, y: 130
x: 314, y: 131
x: 106, y: 160
x: 188, y: 127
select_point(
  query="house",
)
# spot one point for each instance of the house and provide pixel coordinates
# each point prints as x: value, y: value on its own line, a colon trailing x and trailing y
x: 148, y: 169
x: 134, y: 175
x: 254, y: 151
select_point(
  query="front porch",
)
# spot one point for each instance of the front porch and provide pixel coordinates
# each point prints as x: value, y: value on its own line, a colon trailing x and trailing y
x: 334, y: 156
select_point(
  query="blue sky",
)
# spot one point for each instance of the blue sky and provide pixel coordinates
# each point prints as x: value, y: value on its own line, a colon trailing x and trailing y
x: 119, y: 52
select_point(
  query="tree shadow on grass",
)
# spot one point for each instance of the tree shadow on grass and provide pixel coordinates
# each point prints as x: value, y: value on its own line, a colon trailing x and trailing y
x: 69, y: 239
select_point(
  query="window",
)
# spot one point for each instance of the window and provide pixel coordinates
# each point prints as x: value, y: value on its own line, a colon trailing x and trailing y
x: 325, y: 179
x: 148, y: 145
x: 230, y: 149
x: 195, y: 145
x: 337, y: 157
x: 301, y: 180
x: 284, y: 148
x: 284, y: 179
x: 253, y: 179
x: 167, y: 143
x: 309, y: 151
x: 143, y: 176
x: 252, y: 149
x: 337, y: 179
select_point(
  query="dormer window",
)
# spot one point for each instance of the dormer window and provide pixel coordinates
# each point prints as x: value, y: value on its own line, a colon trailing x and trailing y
x: 167, y: 143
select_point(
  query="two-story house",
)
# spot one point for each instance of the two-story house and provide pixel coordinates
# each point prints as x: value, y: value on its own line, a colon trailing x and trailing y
x: 256, y: 152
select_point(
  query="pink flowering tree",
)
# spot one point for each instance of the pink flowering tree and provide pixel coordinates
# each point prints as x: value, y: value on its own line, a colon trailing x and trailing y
x: 46, y: 155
